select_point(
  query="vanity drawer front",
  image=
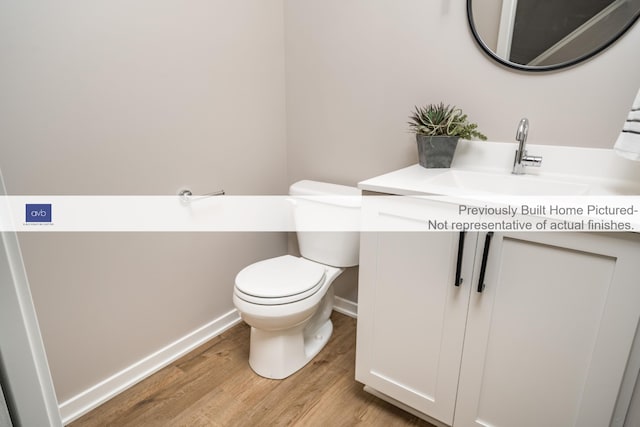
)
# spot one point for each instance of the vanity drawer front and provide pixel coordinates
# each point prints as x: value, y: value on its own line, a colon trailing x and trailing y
x: 393, y: 213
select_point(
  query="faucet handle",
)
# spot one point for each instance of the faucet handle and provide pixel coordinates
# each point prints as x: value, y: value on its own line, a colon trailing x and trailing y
x: 523, y: 130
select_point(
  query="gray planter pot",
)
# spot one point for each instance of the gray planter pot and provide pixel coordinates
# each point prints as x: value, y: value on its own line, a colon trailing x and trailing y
x: 436, y: 151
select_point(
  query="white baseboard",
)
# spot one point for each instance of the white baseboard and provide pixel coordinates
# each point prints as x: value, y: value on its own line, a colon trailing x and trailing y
x: 105, y: 390
x: 346, y: 307
x: 96, y: 395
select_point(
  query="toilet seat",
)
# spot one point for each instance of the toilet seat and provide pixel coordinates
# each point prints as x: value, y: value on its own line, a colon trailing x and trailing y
x: 282, y: 280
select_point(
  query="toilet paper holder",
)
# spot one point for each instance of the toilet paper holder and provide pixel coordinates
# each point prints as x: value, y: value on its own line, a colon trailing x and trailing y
x: 187, y: 196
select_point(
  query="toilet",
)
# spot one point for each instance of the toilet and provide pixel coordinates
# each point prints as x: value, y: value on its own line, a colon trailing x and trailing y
x: 288, y: 300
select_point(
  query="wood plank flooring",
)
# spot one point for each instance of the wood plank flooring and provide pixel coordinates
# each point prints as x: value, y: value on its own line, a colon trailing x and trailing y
x: 214, y: 386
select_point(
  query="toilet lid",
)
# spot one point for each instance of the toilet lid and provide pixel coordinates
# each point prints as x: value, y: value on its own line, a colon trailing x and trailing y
x: 280, y: 277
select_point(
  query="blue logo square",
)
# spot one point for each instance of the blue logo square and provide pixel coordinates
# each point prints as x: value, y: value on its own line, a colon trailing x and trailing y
x: 38, y: 213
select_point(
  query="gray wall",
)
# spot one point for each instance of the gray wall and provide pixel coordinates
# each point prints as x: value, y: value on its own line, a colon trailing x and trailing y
x: 356, y: 68
x: 138, y: 97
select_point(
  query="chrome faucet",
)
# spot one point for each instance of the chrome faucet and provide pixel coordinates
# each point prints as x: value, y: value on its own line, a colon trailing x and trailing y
x: 521, y: 158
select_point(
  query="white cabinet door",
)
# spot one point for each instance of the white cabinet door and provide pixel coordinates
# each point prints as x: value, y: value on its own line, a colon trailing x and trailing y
x: 548, y: 339
x: 411, y: 316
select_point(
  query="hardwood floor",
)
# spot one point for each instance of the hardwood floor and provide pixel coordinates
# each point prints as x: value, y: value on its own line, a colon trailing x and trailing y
x: 214, y: 386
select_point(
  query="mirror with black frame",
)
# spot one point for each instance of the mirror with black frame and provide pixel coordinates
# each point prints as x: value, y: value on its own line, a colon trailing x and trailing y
x: 539, y: 35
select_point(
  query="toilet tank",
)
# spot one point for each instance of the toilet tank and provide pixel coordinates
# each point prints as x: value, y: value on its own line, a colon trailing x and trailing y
x: 335, y: 248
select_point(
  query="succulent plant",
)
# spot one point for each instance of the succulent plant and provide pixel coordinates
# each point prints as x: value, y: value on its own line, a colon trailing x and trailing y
x: 441, y: 120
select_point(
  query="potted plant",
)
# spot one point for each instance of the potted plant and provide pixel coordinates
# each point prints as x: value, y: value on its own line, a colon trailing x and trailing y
x: 438, y: 129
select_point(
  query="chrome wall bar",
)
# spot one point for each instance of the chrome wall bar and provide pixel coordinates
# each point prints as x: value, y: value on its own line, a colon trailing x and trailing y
x: 187, y: 196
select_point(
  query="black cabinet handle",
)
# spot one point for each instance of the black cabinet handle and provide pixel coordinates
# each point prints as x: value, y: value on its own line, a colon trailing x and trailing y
x: 459, y: 279
x: 485, y: 255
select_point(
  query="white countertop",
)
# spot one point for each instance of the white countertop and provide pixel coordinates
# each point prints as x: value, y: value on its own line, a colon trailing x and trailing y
x: 569, y: 177
x: 583, y: 171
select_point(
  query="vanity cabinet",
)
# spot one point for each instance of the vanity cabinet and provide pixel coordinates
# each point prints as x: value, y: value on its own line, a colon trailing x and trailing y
x: 543, y: 339
x: 411, y: 316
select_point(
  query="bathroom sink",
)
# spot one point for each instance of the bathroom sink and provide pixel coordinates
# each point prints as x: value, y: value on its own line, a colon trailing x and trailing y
x: 483, y: 169
x: 503, y: 183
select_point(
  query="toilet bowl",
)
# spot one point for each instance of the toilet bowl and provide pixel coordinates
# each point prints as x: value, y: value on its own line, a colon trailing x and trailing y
x: 288, y: 300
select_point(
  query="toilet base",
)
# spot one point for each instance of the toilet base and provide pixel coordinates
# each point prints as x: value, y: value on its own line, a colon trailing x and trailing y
x: 277, y: 350
x: 279, y: 354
